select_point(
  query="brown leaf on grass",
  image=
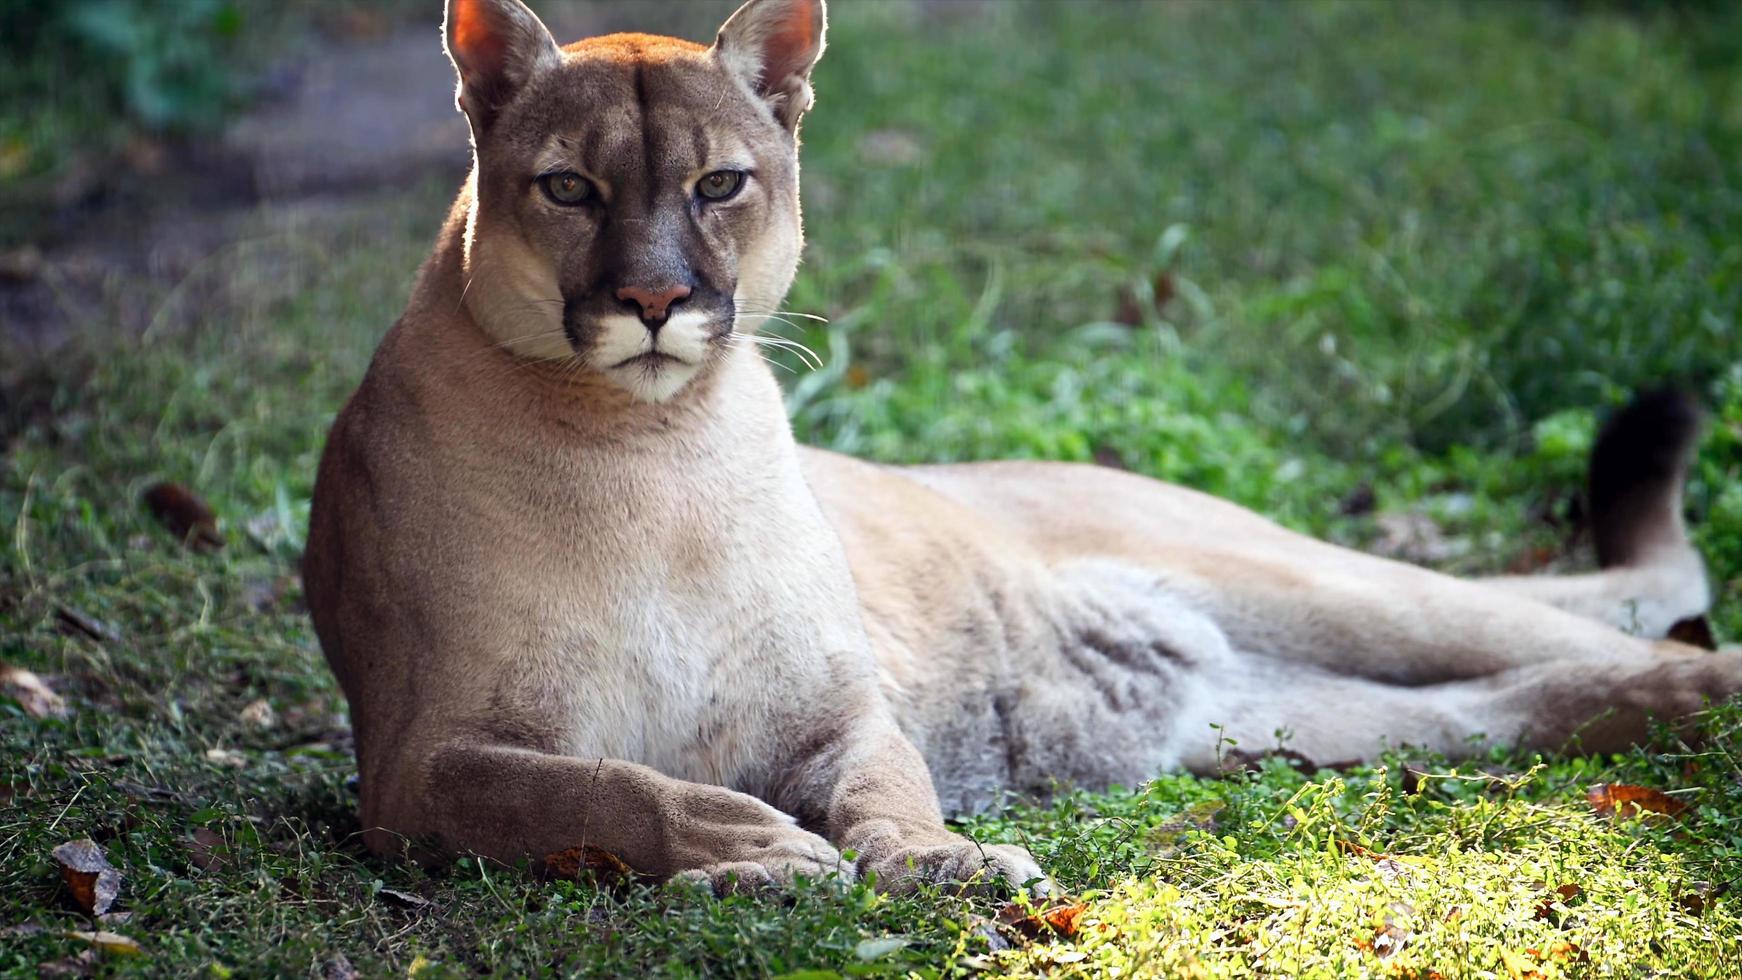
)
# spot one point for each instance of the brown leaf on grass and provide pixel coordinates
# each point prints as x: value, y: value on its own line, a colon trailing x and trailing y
x: 587, y: 862
x: 31, y: 693
x: 88, y: 875
x: 1621, y: 801
x: 1699, y: 897
x: 1058, y: 919
x: 1562, y: 895
x: 1696, y: 631
x: 184, y: 514
x: 206, y: 849
x: 109, y: 942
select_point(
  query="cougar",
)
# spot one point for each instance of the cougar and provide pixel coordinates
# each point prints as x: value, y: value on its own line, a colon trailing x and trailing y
x: 581, y: 586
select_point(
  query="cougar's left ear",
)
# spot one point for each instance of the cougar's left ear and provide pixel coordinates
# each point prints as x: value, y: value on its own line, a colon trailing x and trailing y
x: 496, y: 45
x: 770, y: 45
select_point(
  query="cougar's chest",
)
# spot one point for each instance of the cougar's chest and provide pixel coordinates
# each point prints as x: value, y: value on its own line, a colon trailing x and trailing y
x: 655, y: 675
x: 688, y: 658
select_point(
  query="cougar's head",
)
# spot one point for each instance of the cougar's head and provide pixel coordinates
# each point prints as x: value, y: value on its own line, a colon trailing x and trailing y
x: 635, y: 198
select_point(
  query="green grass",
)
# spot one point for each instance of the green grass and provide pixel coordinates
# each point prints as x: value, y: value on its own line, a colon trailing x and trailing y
x: 1417, y: 249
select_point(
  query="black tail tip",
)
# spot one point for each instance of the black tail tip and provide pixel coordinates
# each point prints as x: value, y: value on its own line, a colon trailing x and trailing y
x: 1637, y: 469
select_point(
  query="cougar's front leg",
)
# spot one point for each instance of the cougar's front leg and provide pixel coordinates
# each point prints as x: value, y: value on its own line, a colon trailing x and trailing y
x: 869, y: 789
x: 507, y: 803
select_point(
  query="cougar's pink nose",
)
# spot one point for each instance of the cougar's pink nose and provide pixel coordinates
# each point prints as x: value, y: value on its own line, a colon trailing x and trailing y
x: 654, y: 303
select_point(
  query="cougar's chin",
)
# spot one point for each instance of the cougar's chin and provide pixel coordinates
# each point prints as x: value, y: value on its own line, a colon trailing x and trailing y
x: 652, y: 366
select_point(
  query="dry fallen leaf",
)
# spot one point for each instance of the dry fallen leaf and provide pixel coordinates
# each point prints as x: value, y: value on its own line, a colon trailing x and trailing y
x: 88, y: 875
x: 1561, y: 896
x: 31, y: 693
x: 184, y: 514
x: 109, y: 942
x: 1699, y: 897
x: 1058, y: 919
x: 587, y: 862
x: 1622, y: 801
x: 206, y: 849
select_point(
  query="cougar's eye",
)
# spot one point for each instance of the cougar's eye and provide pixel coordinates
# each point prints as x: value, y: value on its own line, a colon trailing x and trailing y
x: 720, y: 185
x: 567, y: 188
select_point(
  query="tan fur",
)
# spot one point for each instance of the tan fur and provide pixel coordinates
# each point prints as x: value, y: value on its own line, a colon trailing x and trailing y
x: 573, y: 602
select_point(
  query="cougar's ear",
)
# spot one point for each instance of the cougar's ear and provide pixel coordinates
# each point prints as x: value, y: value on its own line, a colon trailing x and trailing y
x: 496, y: 45
x: 770, y: 45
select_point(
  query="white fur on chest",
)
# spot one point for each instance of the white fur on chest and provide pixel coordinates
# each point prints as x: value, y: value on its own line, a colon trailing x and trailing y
x: 685, y: 605
x: 690, y: 675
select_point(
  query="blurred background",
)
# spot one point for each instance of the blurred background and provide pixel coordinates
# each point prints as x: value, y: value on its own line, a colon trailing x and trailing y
x: 1374, y: 268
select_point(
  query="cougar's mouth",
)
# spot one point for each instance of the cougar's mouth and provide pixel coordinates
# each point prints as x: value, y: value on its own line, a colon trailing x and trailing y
x: 651, y: 359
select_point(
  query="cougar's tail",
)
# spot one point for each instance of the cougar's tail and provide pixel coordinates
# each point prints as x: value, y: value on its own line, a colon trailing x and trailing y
x: 1638, y: 469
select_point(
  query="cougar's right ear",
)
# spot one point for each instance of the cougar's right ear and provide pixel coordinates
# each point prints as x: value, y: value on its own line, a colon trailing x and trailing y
x: 496, y: 45
x: 771, y: 46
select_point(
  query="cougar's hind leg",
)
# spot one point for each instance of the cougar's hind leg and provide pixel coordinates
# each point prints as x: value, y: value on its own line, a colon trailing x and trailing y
x: 1556, y: 705
x: 1651, y: 577
x: 1269, y: 704
x: 1353, y: 613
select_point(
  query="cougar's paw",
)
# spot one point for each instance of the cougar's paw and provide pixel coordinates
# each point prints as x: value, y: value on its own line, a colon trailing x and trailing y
x: 778, y: 865
x: 990, y: 867
x: 734, y: 842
